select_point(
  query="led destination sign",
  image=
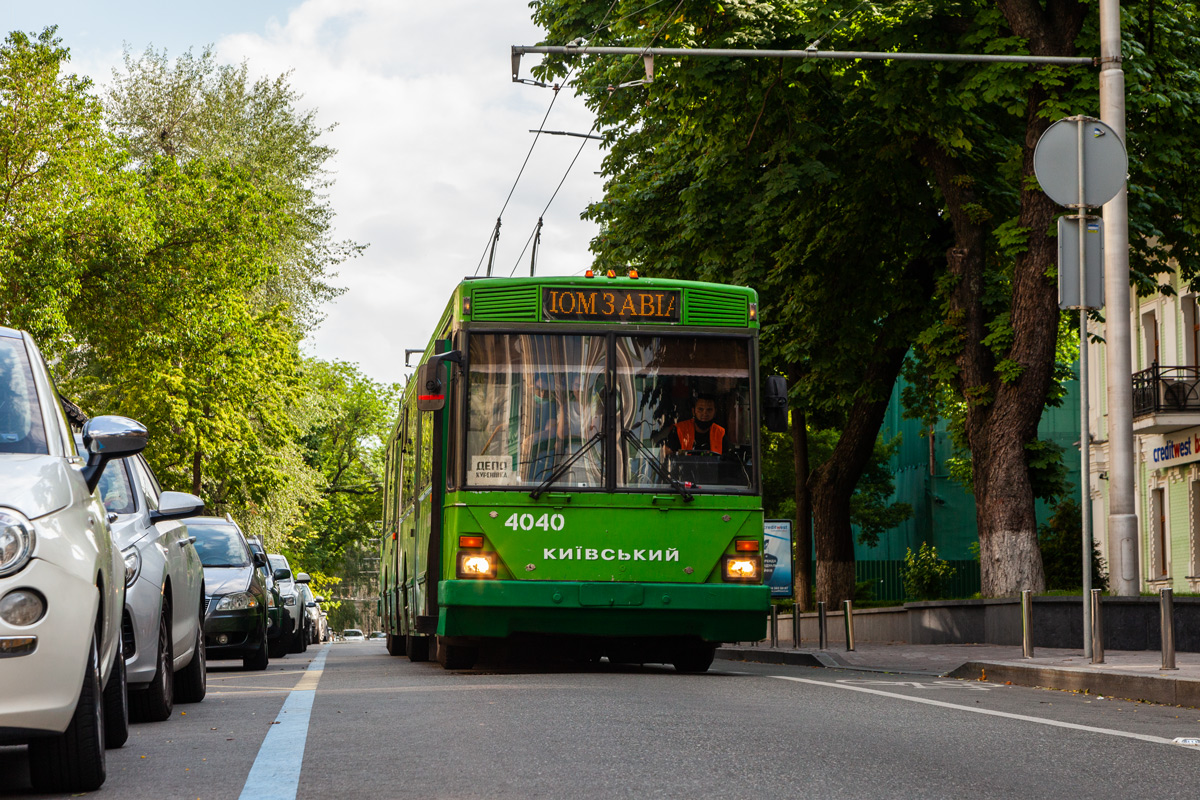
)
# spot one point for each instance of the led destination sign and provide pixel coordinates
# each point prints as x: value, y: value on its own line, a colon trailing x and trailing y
x: 610, y: 305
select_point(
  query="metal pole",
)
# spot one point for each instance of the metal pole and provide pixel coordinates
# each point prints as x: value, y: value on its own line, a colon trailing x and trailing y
x: 795, y: 625
x: 848, y: 610
x: 774, y: 625
x: 1085, y: 460
x: 822, y: 630
x: 1027, y: 623
x: 1122, y: 517
x: 1166, y: 608
x: 839, y: 55
x: 1097, y: 628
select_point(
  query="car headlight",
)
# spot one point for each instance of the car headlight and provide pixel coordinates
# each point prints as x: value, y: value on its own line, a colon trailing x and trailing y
x: 133, y: 565
x: 474, y: 564
x: 741, y: 569
x: 16, y: 541
x: 238, y: 601
x: 289, y: 601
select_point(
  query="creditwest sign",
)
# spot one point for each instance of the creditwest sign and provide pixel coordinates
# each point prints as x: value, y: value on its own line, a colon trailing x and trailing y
x: 610, y: 305
x: 1173, y: 449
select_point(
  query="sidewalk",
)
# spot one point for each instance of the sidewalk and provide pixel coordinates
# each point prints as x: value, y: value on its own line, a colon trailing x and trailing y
x: 1132, y: 675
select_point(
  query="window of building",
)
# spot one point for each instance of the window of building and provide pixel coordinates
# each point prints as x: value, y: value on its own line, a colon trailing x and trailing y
x: 1159, y: 557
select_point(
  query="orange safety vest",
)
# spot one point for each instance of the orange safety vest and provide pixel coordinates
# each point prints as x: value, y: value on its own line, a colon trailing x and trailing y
x: 686, y: 431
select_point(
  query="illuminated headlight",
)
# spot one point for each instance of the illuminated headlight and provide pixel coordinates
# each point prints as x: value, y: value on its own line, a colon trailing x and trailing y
x: 16, y: 541
x: 133, y: 565
x: 741, y: 569
x: 473, y: 564
x: 289, y: 600
x: 22, y: 607
x: 238, y: 601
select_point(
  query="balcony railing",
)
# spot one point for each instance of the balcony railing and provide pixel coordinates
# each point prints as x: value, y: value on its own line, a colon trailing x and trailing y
x: 1166, y: 390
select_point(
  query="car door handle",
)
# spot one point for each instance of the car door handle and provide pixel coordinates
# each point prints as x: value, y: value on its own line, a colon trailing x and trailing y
x: 187, y: 541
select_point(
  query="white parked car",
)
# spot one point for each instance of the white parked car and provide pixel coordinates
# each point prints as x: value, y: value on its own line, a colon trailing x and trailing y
x: 62, y: 588
x: 353, y: 635
x: 163, y: 623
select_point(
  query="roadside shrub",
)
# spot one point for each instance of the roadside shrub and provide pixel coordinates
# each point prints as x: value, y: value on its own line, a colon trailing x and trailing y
x: 924, y: 574
x: 1061, y: 543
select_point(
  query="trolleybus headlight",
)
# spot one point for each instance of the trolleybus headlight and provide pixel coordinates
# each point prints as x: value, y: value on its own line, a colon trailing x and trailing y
x: 741, y: 569
x: 476, y: 565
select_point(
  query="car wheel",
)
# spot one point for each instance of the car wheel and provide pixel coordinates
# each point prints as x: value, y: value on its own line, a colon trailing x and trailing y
x: 116, y: 702
x: 276, y: 649
x: 73, y: 761
x: 395, y: 645
x: 193, y: 679
x: 694, y: 657
x: 259, y: 660
x: 156, y: 701
x: 296, y: 645
x: 417, y: 648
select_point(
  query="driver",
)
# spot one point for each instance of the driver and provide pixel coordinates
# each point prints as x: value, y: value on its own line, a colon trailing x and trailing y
x: 699, y: 432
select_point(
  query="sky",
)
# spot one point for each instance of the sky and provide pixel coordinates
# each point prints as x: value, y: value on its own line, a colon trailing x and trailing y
x: 430, y: 132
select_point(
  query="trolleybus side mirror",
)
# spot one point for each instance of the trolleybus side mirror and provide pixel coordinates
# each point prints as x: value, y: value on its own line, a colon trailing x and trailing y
x: 431, y: 388
x: 775, y: 404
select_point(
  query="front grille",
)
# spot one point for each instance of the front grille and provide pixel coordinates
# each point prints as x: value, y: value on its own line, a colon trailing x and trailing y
x: 128, y: 640
x: 502, y: 303
x: 703, y: 307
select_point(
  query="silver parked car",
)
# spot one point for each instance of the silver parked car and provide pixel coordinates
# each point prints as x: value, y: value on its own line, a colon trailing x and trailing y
x: 62, y: 670
x: 293, y: 609
x: 163, y: 623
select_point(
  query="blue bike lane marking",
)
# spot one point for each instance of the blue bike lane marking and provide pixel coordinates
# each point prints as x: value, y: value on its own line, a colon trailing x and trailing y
x: 275, y: 774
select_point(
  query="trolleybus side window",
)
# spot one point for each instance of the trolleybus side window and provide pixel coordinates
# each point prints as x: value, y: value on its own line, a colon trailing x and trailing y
x: 536, y: 409
x: 408, y: 458
x: 426, y: 468
x: 683, y: 412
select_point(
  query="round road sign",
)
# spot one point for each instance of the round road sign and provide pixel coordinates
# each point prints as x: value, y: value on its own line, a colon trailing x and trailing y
x: 1056, y: 162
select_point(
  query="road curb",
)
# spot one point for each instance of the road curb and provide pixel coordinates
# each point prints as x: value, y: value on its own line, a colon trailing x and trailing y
x: 1126, y: 685
x: 762, y: 655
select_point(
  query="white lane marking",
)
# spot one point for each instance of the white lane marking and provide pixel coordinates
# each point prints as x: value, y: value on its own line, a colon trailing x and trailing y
x: 275, y: 774
x: 971, y: 686
x: 987, y: 711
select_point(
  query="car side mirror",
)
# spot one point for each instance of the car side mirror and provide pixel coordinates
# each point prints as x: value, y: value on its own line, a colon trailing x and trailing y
x: 310, y: 605
x: 176, y: 505
x: 431, y: 389
x: 282, y: 574
x: 109, y: 437
x: 302, y: 577
x: 260, y: 560
x: 319, y: 599
x: 775, y: 404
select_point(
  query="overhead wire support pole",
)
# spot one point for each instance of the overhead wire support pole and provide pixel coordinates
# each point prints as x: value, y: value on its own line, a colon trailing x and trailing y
x: 839, y: 55
x: 537, y: 240
x: 495, y: 241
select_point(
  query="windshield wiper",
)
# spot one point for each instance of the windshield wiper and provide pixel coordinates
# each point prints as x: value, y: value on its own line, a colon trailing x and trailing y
x: 562, y: 468
x: 647, y: 453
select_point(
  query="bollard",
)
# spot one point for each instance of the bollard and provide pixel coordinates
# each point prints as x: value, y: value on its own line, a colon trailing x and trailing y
x: 1097, y: 628
x: 822, y: 630
x: 848, y: 610
x: 1166, y: 605
x: 796, y: 627
x: 1027, y: 623
x: 774, y: 625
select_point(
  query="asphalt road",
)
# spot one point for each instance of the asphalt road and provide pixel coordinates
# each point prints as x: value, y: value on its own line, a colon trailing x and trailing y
x: 382, y: 727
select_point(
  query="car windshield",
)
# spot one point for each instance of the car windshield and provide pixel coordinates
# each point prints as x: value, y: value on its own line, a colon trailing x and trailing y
x: 278, y: 562
x: 115, y: 489
x: 21, y: 429
x: 219, y: 545
x: 353, y: 632
x: 536, y: 409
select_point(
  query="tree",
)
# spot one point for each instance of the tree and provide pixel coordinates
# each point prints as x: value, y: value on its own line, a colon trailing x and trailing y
x: 195, y: 108
x: 55, y: 160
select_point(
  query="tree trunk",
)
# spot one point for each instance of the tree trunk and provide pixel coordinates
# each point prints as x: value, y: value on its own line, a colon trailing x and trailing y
x: 833, y: 483
x: 1003, y: 412
x: 803, y: 537
x: 197, y: 461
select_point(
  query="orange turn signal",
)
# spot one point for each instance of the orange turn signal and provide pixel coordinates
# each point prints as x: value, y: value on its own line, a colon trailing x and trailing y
x: 470, y: 541
x: 746, y: 545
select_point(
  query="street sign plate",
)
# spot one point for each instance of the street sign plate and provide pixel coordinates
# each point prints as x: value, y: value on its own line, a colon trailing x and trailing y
x: 1056, y: 162
x: 1068, y: 262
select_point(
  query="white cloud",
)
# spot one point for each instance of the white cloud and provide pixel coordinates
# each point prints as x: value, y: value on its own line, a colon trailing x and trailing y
x: 431, y: 133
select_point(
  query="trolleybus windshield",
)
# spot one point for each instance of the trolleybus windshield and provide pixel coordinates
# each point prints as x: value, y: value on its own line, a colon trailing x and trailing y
x: 680, y: 414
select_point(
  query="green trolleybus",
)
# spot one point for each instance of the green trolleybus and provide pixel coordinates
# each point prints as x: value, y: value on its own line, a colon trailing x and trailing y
x: 577, y: 460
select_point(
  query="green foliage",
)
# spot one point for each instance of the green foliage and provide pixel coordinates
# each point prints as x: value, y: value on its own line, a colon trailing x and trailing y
x: 1061, y: 542
x: 923, y: 574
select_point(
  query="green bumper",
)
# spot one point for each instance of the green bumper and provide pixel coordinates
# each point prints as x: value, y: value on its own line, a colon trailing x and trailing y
x: 713, y: 612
